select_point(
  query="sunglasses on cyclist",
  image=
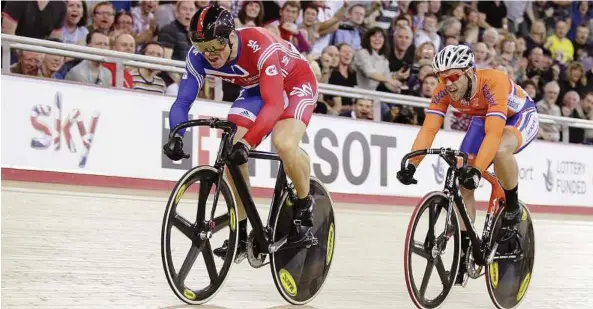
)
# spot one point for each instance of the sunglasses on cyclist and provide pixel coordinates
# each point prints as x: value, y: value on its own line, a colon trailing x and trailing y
x: 213, y: 46
x: 451, y: 77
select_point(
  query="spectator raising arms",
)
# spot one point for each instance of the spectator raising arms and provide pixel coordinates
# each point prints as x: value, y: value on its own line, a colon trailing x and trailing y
x: 287, y: 28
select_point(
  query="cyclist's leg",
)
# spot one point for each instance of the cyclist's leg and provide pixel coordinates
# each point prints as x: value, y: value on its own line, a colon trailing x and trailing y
x: 286, y: 137
x: 471, y: 144
x: 243, y: 113
x: 521, y: 129
x: 300, y: 100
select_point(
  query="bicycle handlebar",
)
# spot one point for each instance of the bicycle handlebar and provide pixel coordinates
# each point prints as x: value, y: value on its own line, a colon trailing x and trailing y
x: 213, y: 122
x: 445, y: 153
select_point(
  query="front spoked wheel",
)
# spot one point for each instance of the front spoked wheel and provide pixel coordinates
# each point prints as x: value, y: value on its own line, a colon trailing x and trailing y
x: 300, y: 272
x: 509, y: 274
x: 194, y: 224
x: 431, y: 245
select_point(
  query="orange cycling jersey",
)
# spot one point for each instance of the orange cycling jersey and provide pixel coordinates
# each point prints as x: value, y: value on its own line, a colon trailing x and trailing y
x: 497, y: 98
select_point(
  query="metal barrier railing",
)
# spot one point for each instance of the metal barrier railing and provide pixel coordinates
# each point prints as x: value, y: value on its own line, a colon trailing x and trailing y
x: 122, y: 59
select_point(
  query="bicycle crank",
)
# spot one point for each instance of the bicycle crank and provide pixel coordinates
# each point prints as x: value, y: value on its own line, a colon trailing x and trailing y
x: 474, y: 271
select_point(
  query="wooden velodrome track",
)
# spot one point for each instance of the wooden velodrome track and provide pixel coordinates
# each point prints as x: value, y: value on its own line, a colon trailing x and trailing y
x: 84, y: 247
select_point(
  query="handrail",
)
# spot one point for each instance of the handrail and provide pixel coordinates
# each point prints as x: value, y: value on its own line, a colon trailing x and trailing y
x: 122, y: 59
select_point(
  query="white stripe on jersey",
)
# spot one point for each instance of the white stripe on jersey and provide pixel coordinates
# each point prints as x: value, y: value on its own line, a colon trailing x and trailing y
x: 273, y: 48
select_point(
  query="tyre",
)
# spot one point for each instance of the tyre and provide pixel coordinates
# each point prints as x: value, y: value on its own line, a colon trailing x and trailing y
x: 431, y: 246
x: 191, y: 282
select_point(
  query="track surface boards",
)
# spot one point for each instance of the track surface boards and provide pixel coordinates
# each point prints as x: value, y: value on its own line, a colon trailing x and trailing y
x: 79, y: 248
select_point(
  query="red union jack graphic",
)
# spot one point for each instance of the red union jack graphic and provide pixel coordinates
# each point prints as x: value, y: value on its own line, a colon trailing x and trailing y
x: 53, y: 137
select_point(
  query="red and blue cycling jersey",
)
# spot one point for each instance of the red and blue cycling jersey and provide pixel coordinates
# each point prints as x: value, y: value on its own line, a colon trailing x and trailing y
x: 268, y: 68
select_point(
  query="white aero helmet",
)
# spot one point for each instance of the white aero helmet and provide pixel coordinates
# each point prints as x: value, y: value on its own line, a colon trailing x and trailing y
x: 453, y: 57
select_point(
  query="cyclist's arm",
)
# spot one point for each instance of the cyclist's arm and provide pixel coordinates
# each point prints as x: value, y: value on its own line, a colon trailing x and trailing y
x: 496, y: 118
x: 435, y: 115
x: 189, y: 86
x: 271, y: 87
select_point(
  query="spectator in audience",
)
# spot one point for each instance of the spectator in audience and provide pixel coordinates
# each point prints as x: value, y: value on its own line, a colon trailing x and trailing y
x: 27, y: 63
x: 123, y: 24
x: 582, y: 48
x: 74, y: 30
x: 537, y: 36
x: 575, y: 79
x: 429, y: 83
x: 331, y: 13
x: 371, y: 64
x: 35, y: 19
x: 451, y: 29
x: 538, y: 68
x: 92, y: 72
x: 287, y: 28
x: 124, y: 43
x: 329, y: 60
x: 571, y: 107
x: 587, y: 105
x: 402, y: 56
x: 560, y: 46
x: 580, y: 15
x: 174, y: 35
x: 532, y: 90
x: 508, y: 47
x: 458, y: 12
x: 165, y: 13
x: 350, y: 30
x: 50, y: 64
x: 345, y: 76
x: 426, y: 50
x: 363, y: 109
x: 491, y: 38
x: 309, y: 24
x: 547, y: 106
x: 494, y: 12
x: 103, y: 17
x: 421, y: 69
x: 251, y: 14
x: 145, y: 23
x: 146, y: 80
x: 428, y: 33
x: 516, y: 10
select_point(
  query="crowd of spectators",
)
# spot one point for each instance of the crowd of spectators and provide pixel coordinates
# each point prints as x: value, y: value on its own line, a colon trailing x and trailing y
x: 545, y: 46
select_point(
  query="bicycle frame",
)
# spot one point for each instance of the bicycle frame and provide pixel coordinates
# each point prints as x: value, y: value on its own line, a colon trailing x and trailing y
x: 482, y: 252
x: 262, y: 235
x: 480, y: 247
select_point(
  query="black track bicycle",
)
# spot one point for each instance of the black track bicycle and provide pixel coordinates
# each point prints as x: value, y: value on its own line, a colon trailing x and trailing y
x: 508, y: 256
x: 299, y: 269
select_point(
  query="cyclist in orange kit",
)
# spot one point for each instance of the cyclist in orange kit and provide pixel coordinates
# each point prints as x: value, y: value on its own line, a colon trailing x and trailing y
x: 504, y: 122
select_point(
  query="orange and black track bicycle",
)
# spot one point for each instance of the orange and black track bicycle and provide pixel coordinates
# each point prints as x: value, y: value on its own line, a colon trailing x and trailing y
x: 507, y: 255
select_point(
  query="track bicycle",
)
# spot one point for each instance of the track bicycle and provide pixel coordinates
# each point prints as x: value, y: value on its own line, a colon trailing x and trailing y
x: 299, y: 269
x: 508, y: 256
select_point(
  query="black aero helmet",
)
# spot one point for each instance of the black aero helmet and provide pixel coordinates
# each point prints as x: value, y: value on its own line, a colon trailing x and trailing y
x: 211, y: 22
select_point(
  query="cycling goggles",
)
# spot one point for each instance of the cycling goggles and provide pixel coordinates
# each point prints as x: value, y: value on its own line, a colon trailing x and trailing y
x: 451, y: 77
x: 213, y: 46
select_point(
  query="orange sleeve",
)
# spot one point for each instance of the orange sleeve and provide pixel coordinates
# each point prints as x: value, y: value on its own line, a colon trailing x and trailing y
x: 432, y: 123
x: 495, y: 92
